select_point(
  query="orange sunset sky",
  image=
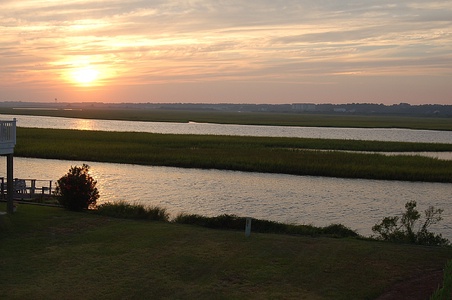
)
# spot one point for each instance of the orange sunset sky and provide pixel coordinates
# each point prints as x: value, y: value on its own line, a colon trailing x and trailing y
x: 230, y: 51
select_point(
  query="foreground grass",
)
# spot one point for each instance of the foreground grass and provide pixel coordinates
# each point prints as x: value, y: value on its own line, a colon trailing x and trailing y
x: 247, y: 118
x: 259, y: 154
x: 49, y: 253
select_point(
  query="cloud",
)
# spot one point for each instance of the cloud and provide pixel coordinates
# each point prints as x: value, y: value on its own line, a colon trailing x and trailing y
x: 144, y: 42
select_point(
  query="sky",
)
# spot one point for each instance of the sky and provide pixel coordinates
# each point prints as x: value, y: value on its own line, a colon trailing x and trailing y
x: 226, y: 51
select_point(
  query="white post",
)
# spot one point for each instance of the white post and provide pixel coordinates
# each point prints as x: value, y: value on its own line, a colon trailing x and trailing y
x: 14, y: 131
x: 248, y: 227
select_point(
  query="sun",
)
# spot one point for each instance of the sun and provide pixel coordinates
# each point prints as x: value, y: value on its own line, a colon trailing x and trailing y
x: 85, y: 75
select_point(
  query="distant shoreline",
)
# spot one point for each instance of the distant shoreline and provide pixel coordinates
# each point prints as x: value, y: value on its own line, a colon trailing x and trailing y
x: 274, y: 118
x: 401, y: 109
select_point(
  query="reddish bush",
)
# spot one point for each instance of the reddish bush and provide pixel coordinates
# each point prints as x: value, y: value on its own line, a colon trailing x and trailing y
x: 77, y: 189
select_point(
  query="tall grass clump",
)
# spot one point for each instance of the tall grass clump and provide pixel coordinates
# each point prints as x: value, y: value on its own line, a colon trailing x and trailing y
x: 126, y: 210
x: 445, y: 292
x: 233, y: 222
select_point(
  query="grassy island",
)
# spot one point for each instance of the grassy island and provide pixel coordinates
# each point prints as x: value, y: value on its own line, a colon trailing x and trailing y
x: 297, y: 156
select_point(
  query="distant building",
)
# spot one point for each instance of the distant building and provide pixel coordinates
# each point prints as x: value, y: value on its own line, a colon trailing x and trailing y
x: 303, y: 106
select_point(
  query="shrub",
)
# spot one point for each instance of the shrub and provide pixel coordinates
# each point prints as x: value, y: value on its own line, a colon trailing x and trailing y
x: 77, y: 189
x: 132, y: 211
x: 402, y: 229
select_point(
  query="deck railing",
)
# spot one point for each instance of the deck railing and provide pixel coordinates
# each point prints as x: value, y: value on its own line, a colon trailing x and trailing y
x: 7, y: 136
x: 27, y: 188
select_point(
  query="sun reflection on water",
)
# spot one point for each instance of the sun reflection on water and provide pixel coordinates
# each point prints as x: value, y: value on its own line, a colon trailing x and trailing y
x: 84, y: 124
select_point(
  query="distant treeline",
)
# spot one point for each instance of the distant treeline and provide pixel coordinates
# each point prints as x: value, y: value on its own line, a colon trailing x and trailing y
x: 397, y: 109
x: 350, y: 108
x: 406, y: 109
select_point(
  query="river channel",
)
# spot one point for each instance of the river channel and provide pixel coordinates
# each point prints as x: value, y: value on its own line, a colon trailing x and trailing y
x: 320, y: 201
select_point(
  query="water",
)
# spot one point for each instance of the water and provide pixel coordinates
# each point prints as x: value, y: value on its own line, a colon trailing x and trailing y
x: 377, y: 134
x: 358, y: 204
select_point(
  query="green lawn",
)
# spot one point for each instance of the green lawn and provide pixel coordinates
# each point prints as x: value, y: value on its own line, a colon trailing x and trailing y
x: 50, y: 253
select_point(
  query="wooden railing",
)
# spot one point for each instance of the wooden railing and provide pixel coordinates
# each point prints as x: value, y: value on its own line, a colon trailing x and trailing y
x: 27, y: 188
x: 7, y: 136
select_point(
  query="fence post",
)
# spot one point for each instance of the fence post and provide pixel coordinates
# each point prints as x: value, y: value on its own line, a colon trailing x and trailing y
x: 248, y: 227
x: 33, y: 187
x: 9, y: 182
x: 3, y: 187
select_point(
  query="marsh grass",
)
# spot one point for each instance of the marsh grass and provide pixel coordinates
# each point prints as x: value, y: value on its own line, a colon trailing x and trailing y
x: 125, y: 210
x: 264, y: 226
x: 51, y: 253
x: 295, y: 156
x: 138, y: 211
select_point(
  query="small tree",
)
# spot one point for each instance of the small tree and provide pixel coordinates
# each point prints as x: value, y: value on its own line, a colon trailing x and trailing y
x: 390, y: 229
x: 77, y: 189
